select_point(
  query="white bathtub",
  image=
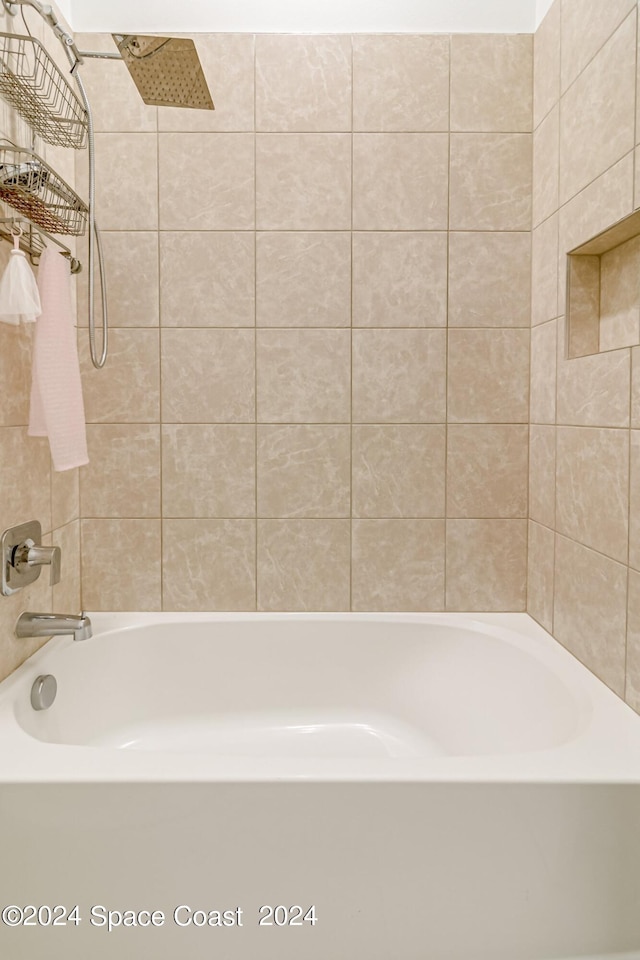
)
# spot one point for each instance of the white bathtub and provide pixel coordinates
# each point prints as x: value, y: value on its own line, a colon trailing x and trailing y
x: 437, y: 787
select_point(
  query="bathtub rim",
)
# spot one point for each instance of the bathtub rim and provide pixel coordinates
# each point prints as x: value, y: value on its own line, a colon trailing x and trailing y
x: 608, y: 752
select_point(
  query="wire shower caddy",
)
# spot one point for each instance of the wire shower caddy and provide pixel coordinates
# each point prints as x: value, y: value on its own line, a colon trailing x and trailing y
x: 32, y: 187
x: 33, y: 84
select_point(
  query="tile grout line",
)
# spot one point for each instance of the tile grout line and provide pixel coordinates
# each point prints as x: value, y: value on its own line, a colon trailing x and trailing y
x: 629, y: 494
x: 560, y: 336
x: 345, y: 327
x: 255, y: 306
x: 442, y: 229
x: 528, y: 474
x: 351, y: 517
x: 631, y: 361
x: 338, y: 423
x: 570, y: 539
x: 445, y: 604
x: 591, y: 183
x: 588, y: 63
x: 160, y: 391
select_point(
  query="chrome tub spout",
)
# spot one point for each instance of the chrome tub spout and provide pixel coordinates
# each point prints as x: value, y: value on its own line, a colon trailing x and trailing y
x: 53, y: 625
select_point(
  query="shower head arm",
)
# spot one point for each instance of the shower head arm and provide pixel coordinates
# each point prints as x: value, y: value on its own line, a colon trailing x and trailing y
x: 98, y: 55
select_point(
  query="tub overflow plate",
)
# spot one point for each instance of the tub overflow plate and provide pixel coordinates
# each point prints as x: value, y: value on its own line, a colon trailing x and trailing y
x: 43, y: 692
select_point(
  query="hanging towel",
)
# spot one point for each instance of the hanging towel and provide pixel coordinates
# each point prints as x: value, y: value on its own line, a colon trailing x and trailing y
x: 19, y: 297
x: 57, y: 407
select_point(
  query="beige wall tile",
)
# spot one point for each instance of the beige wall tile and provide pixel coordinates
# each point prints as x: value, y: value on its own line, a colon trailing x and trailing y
x: 603, y: 202
x: 399, y: 279
x: 546, y: 165
x: 228, y: 63
x: 632, y: 691
x: 400, y: 83
x: 27, y: 484
x: 541, y: 575
x: 121, y: 564
x: 398, y: 470
x: 546, y: 64
x: 486, y: 564
x: 67, y: 594
x: 398, y: 565
x: 488, y: 376
x: 126, y: 180
x: 303, y: 376
x: 25, y: 479
x: 65, y: 497
x: 637, y: 98
x: 592, y: 489
x: 127, y: 390
x: 586, y: 26
x: 620, y: 296
x: 545, y: 268
x: 590, y: 610
x: 209, y: 564
x: 582, y: 306
x: 635, y: 384
x: 303, y: 279
x: 544, y: 352
x: 490, y: 181
x: 208, y: 376
x: 207, y: 279
x: 542, y: 474
x: 598, y: 113
x: 13, y: 651
x: 123, y: 475
x: 61, y: 159
x: 131, y: 265
x: 489, y: 279
x: 487, y: 470
x: 594, y: 391
x: 15, y: 371
x: 400, y: 181
x: 303, y: 564
x: 206, y: 181
x: 634, y: 500
x: 303, y: 83
x: 303, y: 471
x: 399, y: 376
x: 116, y: 104
x: 303, y: 181
x: 208, y: 470
x: 491, y: 82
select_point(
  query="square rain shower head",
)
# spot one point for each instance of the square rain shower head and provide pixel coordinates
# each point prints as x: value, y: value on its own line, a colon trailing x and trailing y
x: 166, y: 70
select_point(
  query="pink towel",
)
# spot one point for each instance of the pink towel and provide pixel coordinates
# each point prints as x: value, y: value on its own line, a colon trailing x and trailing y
x: 57, y: 407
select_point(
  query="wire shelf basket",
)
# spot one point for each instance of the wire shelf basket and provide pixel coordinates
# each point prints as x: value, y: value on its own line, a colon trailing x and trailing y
x: 32, y: 187
x: 32, y: 83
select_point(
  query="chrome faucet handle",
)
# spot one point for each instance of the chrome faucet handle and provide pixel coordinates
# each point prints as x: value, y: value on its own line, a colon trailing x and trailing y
x: 22, y: 557
x: 29, y: 554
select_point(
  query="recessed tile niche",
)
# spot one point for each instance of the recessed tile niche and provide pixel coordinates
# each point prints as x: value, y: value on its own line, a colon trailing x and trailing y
x: 603, y: 290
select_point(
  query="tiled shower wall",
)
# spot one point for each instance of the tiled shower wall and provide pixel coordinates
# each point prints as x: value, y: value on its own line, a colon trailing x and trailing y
x: 317, y: 396
x: 29, y: 489
x: 584, y: 537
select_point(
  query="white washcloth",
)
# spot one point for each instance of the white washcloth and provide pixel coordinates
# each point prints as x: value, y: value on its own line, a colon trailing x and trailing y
x: 57, y: 407
x: 19, y: 297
